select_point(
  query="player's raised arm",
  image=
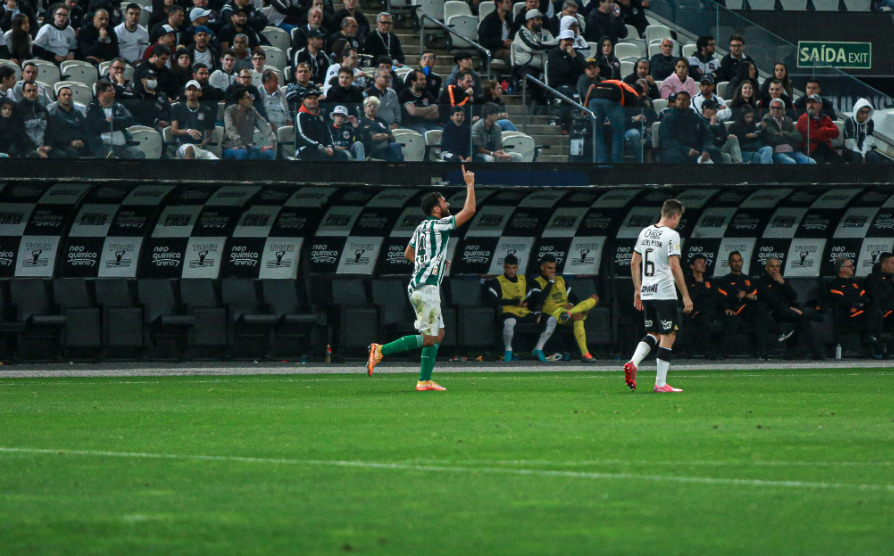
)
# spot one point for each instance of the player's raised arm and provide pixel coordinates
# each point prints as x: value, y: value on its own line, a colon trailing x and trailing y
x: 680, y: 280
x: 468, y: 210
x: 635, y: 263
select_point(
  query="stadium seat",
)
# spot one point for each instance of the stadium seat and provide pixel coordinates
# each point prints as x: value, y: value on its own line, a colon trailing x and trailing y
x: 145, y: 14
x: 47, y: 72
x: 296, y: 319
x: 793, y: 5
x: 396, y: 315
x: 521, y: 144
x: 79, y: 92
x: 357, y: 317
x: 477, y: 322
x: 484, y: 9
x: 82, y: 328
x: 208, y: 336
x: 431, y: 8
x: 626, y: 49
x: 148, y: 140
x: 656, y: 32
x: 277, y: 37
x: 458, y: 16
x: 722, y: 90
x: 216, y: 139
x: 285, y: 142
x: 122, y: 319
x: 412, y: 142
x: 655, y: 133
x: 166, y: 325
x: 82, y: 72
x: 43, y: 324
x: 858, y: 5
x: 632, y: 32
x: 250, y: 321
x: 627, y: 67
x: 433, y: 145
x: 276, y: 58
x: 15, y: 67
x: 688, y: 50
x: 659, y: 104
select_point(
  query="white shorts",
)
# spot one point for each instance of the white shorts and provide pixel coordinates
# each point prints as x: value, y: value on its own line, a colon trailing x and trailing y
x: 201, y: 154
x: 426, y: 302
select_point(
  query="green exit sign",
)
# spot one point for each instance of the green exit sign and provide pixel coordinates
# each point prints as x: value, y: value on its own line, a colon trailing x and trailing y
x: 842, y: 55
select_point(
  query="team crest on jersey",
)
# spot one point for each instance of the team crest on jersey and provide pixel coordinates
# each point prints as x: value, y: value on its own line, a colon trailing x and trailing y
x: 346, y: 134
x: 200, y: 117
x: 666, y: 324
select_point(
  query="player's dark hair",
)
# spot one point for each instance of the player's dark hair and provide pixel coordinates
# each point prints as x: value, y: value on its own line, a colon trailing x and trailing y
x: 430, y: 201
x: 672, y: 207
x: 510, y: 259
x: 730, y: 257
x: 547, y: 259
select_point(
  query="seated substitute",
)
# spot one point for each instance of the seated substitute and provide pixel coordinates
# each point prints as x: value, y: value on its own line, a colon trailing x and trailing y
x: 777, y: 294
x: 509, y: 291
x: 550, y: 294
x: 849, y: 305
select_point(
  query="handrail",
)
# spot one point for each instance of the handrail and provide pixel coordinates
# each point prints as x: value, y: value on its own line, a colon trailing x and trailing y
x: 563, y: 98
x: 423, y: 16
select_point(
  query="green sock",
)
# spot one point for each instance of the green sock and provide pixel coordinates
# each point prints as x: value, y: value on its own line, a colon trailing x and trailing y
x: 401, y: 345
x: 429, y: 353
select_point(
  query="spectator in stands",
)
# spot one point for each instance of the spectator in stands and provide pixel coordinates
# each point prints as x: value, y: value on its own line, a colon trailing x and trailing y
x: 389, y: 109
x: 9, y: 11
x: 312, y: 135
x: 382, y: 41
x: 314, y: 57
x: 519, y: 19
x: 776, y: 92
x: 214, y: 21
x: 724, y: 140
x: 487, y: 138
x: 233, y: 94
x: 285, y: 14
x: 107, y: 123
x: 664, y: 62
x: 781, y: 134
x: 34, y: 117
x: 378, y: 141
x: 242, y: 52
x: 158, y: 12
x: 569, y: 9
x: 685, y: 138
x: 238, y: 26
x: 494, y: 30
x: 729, y: 65
x: 589, y: 78
x: 345, y: 92
x: 705, y: 60
x: 420, y: 109
x: 633, y: 13
x: 314, y: 24
x: 165, y: 36
x: 254, y: 17
x: 56, y: 41
x: 706, y: 92
x: 258, y: 61
x: 460, y: 94
x: 348, y: 59
x: 532, y: 46
x: 745, y: 96
x: 155, y: 70
x: 565, y: 64
x: 240, y: 122
x: 68, y: 125
x: 817, y: 131
x: 638, y: 121
x: 133, y: 38
x: 463, y: 61
x: 456, y: 139
x: 603, y: 23
x: 14, y: 142
x: 345, y: 137
x: 210, y: 95
x: 346, y: 36
x: 780, y: 73
x: 433, y: 81
x: 611, y: 65
x: 813, y: 88
x: 679, y: 81
x: 192, y: 124
x: 609, y: 100
x: 859, y: 144
x: 750, y: 134
x: 274, y: 100
x: 7, y: 82
x: 880, y: 289
x: 181, y: 71
x: 226, y: 76
x: 571, y: 23
x: 201, y: 51
x: 641, y: 71
x: 850, y: 305
x: 30, y: 72
x: 351, y: 9
x: 97, y: 43
x: 175, y: 19
x: 397, y: 82
x: 493, y: 92
x: 747, y: 73
x: 19, y: 41
x: 123, y: 86
x: 75, y: 14
x: 198, y: 17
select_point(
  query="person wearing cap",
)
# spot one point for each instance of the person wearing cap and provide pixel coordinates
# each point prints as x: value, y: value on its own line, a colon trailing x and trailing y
x: 312, y: 135
x: 133, y: 38
x: 456, y: 138
x: 495, y: 30
x: 519, y: 18
x: 240, y: 122
x: 192, y: 124
x: 274, y: 100
x: 817, y: 131
x: 389, y: 109
x: 345, y: 137
x: 706, y: 92
x: 254, y: 17
x: 314, y: 23
x: 314, y: 56
x: 381, y: 41
x: 107, y: 122
x: 565, y: 64
x: 198, y: 17
x: 696, y: 331
x: 727, y: 142
x: 378, y: 141
x: 532, y: 46
x: 642, y: 71
x: 781, y: 134
x: 463, y: 62
x: 97, y: 42
x: 684, y: 137
x: 56, y: 40
x: 601, y: 22
x: 238, y: 25
x: 201, y: 50
x: 590, y: 77
x: 570, y: 8
x: 663, y: 63
x: 487, y: 138
x: 163, y: 36
x: 571, y: 23
x: 175, y: 19
x: 704, y: 61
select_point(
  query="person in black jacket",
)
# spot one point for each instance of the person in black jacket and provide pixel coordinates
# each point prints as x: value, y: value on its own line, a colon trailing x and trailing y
x: 14, y: 142
x: 685, y: 138
x: 312, y: 134
x: 774, y: 291
x: 107, y: 123
x: 880, y: 289
x: 456, y: 140
x: 603, y: 23
x: 850, y: 305
x: 67, y: 125
x: 696, y: 331
x: 495, y: 30
x: 97, y: 42
x: 382, y: 41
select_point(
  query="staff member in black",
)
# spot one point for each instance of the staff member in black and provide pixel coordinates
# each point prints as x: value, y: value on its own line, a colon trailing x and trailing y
x: 696, y: 331
x: 780, y: 298
x: 849, y: 303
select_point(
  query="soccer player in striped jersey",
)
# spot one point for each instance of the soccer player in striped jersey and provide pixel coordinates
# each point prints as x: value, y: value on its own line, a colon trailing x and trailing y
x: 428, y: 251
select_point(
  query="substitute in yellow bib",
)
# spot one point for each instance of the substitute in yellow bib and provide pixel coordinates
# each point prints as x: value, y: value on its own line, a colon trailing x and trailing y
x: 509, y: 291
x: 551, y: 295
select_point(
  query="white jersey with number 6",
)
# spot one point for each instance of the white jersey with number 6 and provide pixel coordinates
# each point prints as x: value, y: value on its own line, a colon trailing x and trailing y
x: 656, y: 244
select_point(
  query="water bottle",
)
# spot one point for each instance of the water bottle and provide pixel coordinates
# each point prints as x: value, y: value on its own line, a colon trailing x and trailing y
x: 328, y: 353
x: 838, y: 351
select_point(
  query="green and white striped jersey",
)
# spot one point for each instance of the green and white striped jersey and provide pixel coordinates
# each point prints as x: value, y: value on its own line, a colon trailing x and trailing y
x: 430, y: 243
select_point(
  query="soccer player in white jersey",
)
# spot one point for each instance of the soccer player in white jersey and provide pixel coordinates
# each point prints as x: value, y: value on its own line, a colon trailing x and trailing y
x: 655, y: 268
x: 428, y: 251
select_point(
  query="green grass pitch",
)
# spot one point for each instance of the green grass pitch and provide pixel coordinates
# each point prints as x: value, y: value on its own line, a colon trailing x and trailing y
x: 748, y: 462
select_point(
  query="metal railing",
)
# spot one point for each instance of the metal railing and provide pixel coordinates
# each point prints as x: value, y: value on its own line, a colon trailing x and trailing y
x: 561, y: 97
x: 423, y: 16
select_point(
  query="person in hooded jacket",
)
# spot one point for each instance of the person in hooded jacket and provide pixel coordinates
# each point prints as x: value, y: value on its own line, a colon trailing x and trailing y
x: 34, y: 117
x: 859, y: 144
x: 14, y: 142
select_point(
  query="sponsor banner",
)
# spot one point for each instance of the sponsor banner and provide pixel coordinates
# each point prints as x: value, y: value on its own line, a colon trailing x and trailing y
x: 23, y: 193
x: 490, y: 221
x: 375, y: 221
x: 768, y: 248
x: 80, y: 257
x: 9, y: 247
x: 132, y: 220
x: 357, y: 196
x: 14, y: 217
x: 458, y: 198
x: 242, y: 257
x: 203, y: 256
x: 557, y: 247
x: 391, y: 257
x: 281, y: 257
x: 393, y: 198
x: 177, y: 221
x: 835, y: 247
x: 37, y: 256
x: 162, y: 257
x: 93, y: 220
x: 713, y: 223
x: 406, y: 223
x: 869, y: 253
x: 338, y: 221
x: 311, y: 197
x: 856, y: 222
x: 696, y: 198
x: 579, y: 198
x: 564, y: 222
x: 805, y: 258
x: 119, y: 257
x: 474, y: 255
x: 108, y: 194
x: 274, y: 195
x: 875, y: 198
x: 621, y: 252
x: 359, y: 255
x: 64, y: 194
x: 748, y: 222
x: 512, y: 197
x: 148, y: 195
x: 836, y: 199
x: 657, y: 197
x: 744, y: 245
x: 709, y: 248
x: 731, y: 197
x: 325, y: 253
x: 544, y: 199
x: 584, y: 255
x: 49, y: 220
x: 526, y: 222
x: 784, y: 222
x: 766, y: 198
x: 232, y: 195
x: 216, y: 221
x: 883, y: 224
x: 191, y: 195
x: 616, y: 198
x: 600, y: 222
x: 518, y: 246
x: 803, y: 198
x: 818, y: 223
x: 295, y: 222
x: 256, y: 221
x: 637, y: 219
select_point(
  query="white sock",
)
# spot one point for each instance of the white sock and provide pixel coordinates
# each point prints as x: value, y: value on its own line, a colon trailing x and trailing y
x: 663, y: 367
x: 508, y: 332
x: 547, y: 332
x: 642, y: 350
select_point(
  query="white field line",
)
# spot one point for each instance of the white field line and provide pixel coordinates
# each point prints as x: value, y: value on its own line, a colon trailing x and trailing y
x: 489, y: 469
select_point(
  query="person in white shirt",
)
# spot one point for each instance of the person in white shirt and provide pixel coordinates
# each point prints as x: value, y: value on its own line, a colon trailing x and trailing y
x: 274, y: 100
x: 58, y: 37
x: 133, y: 38
x: 706, y: 92
x: 225, y: 76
